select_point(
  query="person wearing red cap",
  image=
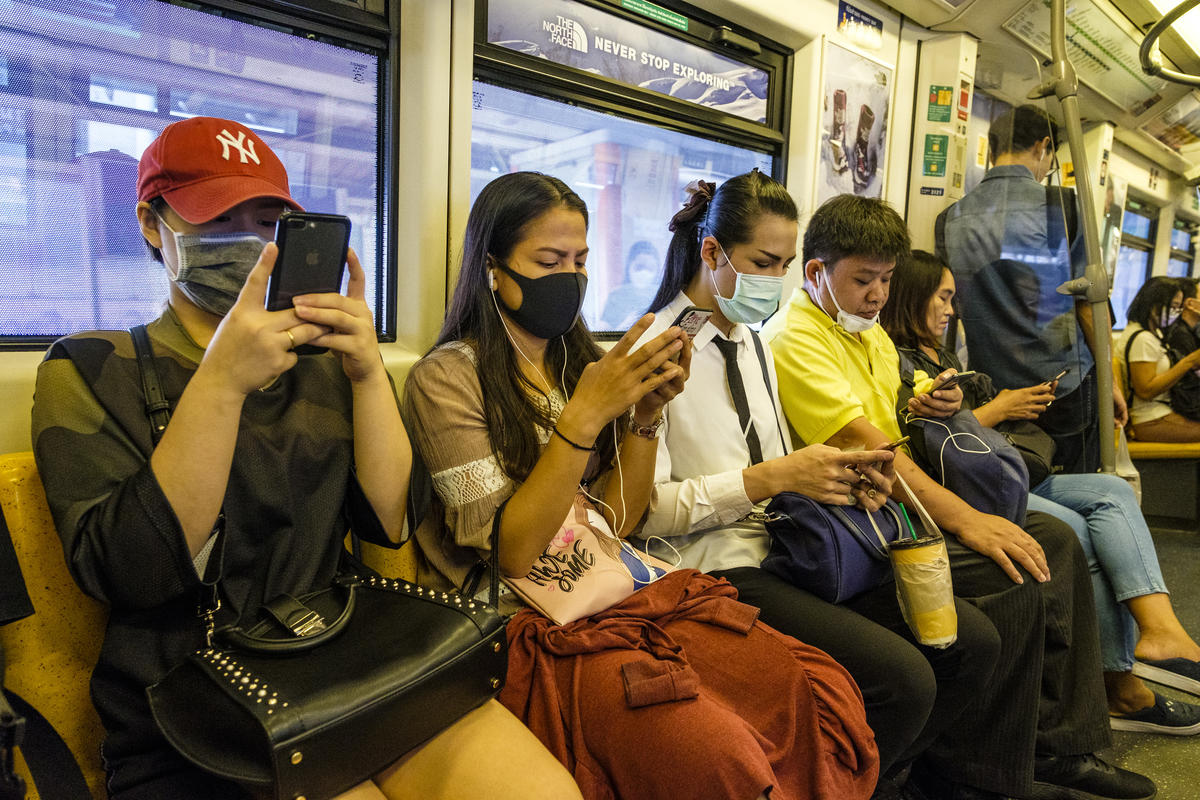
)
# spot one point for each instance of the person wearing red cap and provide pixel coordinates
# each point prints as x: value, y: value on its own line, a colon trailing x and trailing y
x: 260, y: 467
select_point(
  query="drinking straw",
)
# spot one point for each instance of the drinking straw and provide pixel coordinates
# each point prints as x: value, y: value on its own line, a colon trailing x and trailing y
x: 907, y: 520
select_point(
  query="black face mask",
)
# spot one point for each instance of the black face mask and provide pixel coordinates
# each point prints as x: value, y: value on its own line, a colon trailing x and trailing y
x: 549, y: 304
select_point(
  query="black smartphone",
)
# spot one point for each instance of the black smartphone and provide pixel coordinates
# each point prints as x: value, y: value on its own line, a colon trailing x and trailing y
x: 311, y: 260
x: 1059, y: 376
x: 952, y: 381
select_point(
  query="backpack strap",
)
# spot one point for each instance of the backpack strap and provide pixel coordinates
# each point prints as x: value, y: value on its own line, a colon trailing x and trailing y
x: 1128, y: 371
x: 1062, y: 219
x: 766, y: 373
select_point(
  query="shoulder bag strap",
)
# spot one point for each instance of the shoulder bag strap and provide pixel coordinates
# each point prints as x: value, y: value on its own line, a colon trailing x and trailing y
x: 766, y: 373
x: 157, y: 407
x: 50, y: 761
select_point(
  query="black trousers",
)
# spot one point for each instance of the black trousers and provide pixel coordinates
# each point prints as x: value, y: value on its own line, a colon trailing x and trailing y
x: 1040, y: 689
x: 912, y: 693
x: 1046, y: 695
x: 1073, y: 423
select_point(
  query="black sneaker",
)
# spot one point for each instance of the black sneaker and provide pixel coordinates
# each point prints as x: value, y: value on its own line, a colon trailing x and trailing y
x: 1172, y: 717
x: 1086, y: 777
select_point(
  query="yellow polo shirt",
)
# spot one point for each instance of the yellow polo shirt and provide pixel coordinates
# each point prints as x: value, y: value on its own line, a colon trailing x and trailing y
x: 829, y: 378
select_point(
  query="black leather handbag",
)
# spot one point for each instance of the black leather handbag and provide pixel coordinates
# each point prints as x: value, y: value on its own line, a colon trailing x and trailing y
x: 321, y: 691
x: 329, y: 688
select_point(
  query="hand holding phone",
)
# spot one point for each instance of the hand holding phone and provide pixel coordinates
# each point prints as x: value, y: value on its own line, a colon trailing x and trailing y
x: 893, y: 445
x: 312, y: 259
x: 952, y: 381
x: 1059, y: 376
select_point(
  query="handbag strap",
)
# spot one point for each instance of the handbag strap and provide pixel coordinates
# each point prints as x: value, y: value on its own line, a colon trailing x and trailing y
x: 157, y: 407
x: 766, y: 373
x: 930, y: 526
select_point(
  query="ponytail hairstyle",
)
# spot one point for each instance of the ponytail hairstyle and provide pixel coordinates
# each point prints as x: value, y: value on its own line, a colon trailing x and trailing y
x: 497, y: 223
x: 728, y: 213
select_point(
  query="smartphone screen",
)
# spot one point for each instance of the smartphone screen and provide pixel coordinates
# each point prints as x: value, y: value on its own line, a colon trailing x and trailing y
x: 312, y: 256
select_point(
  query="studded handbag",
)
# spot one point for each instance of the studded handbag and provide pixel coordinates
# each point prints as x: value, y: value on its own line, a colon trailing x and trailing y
x: 325, y: 690
x: 318, y: 692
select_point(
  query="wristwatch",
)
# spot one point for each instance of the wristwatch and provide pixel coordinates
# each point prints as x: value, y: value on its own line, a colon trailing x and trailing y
x: 646, y: 431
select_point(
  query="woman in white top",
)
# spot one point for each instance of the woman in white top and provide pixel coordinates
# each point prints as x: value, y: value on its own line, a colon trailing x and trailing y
x: 718, y: 462
x: 1149, y: 371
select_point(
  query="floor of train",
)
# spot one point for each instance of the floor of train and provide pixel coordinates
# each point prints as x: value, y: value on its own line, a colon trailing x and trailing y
x: 1172, y: 761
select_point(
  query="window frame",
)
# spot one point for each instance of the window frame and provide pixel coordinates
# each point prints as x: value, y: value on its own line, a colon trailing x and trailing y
x: 1187, y: 256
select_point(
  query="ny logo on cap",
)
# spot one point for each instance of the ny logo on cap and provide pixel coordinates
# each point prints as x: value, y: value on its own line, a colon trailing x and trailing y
x: 244, y: 146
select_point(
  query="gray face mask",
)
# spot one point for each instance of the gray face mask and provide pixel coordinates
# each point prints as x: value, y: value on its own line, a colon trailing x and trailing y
x: 213, y: 267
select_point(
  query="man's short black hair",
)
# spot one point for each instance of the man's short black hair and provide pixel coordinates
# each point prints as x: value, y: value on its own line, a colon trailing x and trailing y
x: 1020, y: 128
x: 849, y: 225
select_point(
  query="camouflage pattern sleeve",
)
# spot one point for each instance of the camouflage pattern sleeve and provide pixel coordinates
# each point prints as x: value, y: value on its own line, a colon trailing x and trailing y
x: 91, y: 440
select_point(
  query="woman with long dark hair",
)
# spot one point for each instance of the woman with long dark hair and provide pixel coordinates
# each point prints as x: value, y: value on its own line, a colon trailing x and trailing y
x: 1139, y: 632
x: 1149, y: 370
x: 523, y: 419
x: 725, y: 454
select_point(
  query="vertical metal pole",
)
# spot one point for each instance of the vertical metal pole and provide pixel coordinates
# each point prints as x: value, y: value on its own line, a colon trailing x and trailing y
x: 1093, y: 286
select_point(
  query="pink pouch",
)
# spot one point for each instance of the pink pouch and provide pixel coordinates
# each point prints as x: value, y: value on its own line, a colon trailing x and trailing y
x: 585, y: 569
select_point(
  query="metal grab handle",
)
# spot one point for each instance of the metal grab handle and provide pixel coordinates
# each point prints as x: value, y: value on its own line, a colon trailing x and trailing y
x: 1151, y: 56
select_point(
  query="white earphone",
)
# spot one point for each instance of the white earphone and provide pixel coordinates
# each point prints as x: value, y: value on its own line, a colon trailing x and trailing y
x: 492, y: 279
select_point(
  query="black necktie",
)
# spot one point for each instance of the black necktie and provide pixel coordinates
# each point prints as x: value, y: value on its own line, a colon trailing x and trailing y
x: 733, y: 376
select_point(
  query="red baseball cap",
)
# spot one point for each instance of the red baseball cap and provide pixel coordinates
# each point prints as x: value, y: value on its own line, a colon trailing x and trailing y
x: 204, y: 166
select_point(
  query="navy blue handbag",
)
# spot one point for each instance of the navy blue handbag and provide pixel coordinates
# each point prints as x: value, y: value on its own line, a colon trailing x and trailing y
x: 832, y: 551
x: 976, y: 463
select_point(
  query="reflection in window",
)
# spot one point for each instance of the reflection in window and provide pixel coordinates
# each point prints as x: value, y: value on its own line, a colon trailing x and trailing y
x: 630, y: 174
x: 123, y: 92
x: 1133, y: 268
x: 97, y: 137
x: 1181, y: 239
x: 73, y: 255
x: 257, y: 115
x: 1136, y: 224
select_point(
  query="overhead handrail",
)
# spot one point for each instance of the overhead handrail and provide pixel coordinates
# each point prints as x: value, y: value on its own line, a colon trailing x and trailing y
x: 1150, y: 55
x: 1093, y: 286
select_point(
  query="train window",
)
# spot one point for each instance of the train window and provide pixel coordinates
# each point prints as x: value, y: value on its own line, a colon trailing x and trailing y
x: 630, y: 174
x: 627, y: 103
x: 1134, y: 259
x: 1183, y: 251
x: 84, y: 89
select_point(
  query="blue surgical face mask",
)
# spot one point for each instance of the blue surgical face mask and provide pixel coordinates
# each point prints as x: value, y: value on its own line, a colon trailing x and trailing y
x: 851, y: 323
x: 211, y: 268
x: 1169, y: 316
x: 755, y: 297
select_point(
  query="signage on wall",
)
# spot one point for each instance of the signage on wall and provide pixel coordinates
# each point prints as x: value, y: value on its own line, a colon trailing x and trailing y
x: 859, y: 27
x: 934, y: 159
x: 591, y: 39
x: 941, y: 99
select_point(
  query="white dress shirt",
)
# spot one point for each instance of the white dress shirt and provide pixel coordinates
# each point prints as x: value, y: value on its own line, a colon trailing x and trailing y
x: 699, y: 493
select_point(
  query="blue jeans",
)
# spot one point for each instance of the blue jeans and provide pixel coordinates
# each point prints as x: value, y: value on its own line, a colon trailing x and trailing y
x: 1105, y: 516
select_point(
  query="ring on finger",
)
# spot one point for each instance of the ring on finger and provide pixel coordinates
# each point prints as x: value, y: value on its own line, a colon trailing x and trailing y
x: 291, y: 338
x: 871, y: 493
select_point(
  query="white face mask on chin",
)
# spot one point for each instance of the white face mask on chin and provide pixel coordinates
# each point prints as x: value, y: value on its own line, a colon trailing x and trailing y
x: 849, y: 322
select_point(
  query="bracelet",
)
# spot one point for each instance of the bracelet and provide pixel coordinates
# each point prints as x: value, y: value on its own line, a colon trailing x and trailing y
x: 559, y: 434
x: 646, y: 431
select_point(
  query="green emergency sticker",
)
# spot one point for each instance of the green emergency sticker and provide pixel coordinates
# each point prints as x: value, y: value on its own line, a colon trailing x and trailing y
x: 656, y: 13
x: 934, y: 160
x: 941, y: 100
